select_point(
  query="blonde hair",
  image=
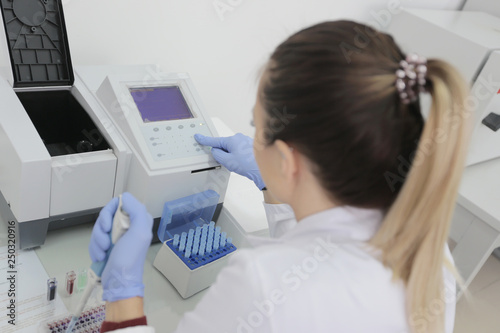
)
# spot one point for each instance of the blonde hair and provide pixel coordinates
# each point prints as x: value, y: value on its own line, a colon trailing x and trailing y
x: 413, y: 236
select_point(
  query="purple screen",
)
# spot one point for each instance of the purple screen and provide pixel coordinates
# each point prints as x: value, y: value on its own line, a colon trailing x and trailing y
x: 160, y: 103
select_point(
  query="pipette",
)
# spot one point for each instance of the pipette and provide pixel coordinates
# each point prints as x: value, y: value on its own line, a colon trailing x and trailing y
x: 121, y: 223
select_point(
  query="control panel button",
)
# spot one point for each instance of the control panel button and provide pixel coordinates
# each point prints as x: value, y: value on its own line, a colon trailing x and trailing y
x: 175, y: 140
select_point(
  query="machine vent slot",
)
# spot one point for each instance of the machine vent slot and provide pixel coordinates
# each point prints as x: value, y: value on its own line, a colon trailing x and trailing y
x: 206, y: 169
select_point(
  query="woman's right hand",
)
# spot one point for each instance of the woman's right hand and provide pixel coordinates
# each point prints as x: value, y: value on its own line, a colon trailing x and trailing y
x: 122, y: 275
x: 236, y: 154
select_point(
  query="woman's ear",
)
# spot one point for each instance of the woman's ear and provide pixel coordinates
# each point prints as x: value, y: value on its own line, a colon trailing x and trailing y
x: 289, y: 163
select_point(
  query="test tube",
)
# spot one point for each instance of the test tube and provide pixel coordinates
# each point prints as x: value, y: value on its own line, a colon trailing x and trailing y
x: 196, y: 241
x: 51, y: 289
x: 176, y: 240
x: 189, y: 245
x: 222, y: 239
x: 70, y: 282
x: 196, y: 245
x: 81, y: 282
x: 183, y: 242
x: 209, y: 245
x: 216, y: 241
x: 217, y: 238
x: 202, y: 247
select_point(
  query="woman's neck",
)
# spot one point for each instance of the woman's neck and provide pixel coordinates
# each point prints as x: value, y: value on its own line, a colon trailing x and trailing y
x: 310, y: 199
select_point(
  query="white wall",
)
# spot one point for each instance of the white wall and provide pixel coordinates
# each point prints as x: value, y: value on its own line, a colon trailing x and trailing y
x: 222, y: 52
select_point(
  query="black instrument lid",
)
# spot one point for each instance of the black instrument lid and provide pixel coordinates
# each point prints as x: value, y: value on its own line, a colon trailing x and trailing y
x: 38, y: 43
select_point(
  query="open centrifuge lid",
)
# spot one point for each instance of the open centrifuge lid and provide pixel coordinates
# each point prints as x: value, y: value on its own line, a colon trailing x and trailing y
x: 38, y: 44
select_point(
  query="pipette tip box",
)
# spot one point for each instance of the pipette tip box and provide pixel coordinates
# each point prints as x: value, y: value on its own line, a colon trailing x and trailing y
x: 194, y: 249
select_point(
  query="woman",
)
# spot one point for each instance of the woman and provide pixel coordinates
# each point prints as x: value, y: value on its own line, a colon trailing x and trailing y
x: 367, y: 191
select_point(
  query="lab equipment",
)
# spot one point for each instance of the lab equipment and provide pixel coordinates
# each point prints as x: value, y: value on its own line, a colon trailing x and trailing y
x: 70, y: 282
x: 193, y: 255
x: 51, y: 289
x: 148, y: 101
x: 194, y: 249
x: 121, y: 223
x: 81, y: 281
x: 439, y: 34
x: 236, y: 153
x: 72, y: 140
x: 89, y: 321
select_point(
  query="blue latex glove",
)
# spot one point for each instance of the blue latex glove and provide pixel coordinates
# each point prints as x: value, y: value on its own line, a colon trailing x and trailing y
x: 122, y: 276
x: 236, y: 154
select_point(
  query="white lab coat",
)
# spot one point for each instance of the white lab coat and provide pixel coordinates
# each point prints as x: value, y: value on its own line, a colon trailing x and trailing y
x: 314, y: 276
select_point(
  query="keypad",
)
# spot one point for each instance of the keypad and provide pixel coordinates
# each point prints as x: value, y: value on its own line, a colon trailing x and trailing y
x: 171, y: 141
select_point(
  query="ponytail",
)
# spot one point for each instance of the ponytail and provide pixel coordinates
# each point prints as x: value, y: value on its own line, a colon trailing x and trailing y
x: 413, y: 236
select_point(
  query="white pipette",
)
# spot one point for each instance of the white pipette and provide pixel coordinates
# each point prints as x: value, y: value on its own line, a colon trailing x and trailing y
x: 121, y: 223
